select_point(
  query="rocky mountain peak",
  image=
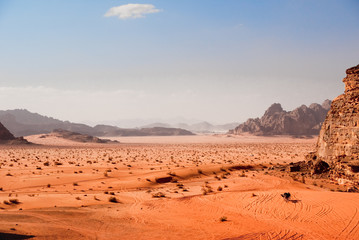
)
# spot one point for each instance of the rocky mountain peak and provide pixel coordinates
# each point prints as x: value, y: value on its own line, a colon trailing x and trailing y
x: 276, y: 121
x: 326, y: 104
x: 352, y: 79
x: 274, y: 108
x: 5, y: 134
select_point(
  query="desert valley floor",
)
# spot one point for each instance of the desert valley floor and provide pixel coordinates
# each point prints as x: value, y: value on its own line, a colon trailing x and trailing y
x: 196, y: 187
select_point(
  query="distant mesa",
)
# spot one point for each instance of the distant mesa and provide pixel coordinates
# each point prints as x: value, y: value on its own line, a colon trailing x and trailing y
x: 6, y: 137
x: 275, y: 121
x: 200, y: 127
x: 338, y: 142
x: 78, y: 137
x: 21, y: 122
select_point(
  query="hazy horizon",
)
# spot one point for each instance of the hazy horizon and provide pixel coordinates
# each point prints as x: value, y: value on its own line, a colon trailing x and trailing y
x: 217, y: 61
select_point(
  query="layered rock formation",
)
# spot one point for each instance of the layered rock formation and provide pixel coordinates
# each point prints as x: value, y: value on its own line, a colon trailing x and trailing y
x: 275, y: 121
x: 338, y: 142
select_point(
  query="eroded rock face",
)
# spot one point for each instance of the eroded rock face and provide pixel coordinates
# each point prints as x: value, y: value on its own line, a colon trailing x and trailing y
x: 339, y: 137
x: 338, y: 142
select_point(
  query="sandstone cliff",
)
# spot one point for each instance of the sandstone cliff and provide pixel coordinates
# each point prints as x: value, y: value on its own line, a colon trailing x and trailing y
x: 338, y: 142
x: 275, y: 121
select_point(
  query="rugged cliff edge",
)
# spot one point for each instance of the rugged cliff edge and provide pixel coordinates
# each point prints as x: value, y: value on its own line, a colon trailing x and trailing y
x: 337, y: 150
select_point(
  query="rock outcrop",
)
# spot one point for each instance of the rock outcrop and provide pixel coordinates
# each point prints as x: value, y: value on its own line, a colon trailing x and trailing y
x: 275, y: 121
x: 6, y: 137
x: 77, y: 137
x: 338, y: 142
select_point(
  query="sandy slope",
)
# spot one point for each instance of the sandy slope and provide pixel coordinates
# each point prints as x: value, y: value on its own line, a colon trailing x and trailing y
x: 64, y: 191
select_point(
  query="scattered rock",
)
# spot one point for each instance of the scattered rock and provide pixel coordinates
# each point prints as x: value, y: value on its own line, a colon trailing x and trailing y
x: 295, y: 168
x: 163, y: 180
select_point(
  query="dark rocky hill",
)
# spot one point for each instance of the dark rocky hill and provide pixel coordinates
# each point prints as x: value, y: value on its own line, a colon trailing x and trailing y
x: 7, y: 137
x: 275, y: 121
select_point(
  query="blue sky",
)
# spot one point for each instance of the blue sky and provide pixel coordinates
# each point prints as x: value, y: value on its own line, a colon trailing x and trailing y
x: 214, y: 60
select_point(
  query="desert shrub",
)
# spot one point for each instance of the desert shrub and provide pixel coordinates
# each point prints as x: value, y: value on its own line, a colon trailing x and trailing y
x: 14, y: 201
x: 219, y: 188
x: 223, y: 219
x: 206, y: 189
x: 113, y: 199
x: 286, y: 195
x: 158, y: 195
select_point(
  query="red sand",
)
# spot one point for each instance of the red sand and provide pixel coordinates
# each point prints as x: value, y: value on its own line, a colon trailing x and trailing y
x: 64, y: 191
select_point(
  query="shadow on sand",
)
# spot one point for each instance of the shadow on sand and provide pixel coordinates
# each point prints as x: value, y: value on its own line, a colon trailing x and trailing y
x: 12, y: 236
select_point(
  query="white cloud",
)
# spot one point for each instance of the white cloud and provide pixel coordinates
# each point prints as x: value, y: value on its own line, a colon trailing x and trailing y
x: 131, y: 11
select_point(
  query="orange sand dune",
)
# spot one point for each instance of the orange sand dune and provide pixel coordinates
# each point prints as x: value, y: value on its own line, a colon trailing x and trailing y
x: 194, y: 187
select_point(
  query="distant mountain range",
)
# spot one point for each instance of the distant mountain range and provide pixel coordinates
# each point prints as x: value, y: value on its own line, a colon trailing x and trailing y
x: 21, y: 122
x: 275, y: 121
